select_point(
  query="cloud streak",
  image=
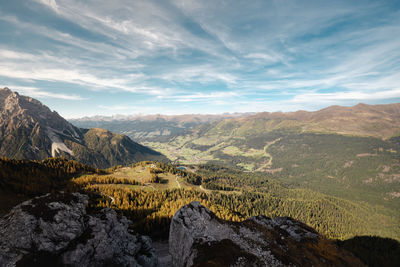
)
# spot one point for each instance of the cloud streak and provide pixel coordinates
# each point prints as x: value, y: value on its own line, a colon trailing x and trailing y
x: 213, y: 96
x: 39, y: 93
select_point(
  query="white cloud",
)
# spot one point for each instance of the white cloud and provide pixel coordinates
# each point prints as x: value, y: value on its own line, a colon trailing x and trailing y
x: 49, y: 3
x: 346, y: 96
x: 60, y: 75
x: 264, y: 57
x: 39, y: 93
x: 200, y: 73
x: 45, y: 67
x: 9, y: 54
x: 132, y: 27
x: 213, y: 96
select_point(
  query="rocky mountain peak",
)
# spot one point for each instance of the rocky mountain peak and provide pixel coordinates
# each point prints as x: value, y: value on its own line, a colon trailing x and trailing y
x: 4, y: 92
x: 199, y: 238
x: 15, y: 105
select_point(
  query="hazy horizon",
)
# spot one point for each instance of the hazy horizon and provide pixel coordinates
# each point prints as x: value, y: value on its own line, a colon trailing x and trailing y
x: 210, y: 57
x: 118, y: 116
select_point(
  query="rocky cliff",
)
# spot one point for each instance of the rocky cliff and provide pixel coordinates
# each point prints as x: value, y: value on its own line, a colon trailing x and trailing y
x: 59, y: 229
x: 199, y: 238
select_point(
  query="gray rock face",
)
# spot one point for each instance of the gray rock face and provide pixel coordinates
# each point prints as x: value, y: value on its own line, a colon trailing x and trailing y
x: 198, y: 238
x: 58, y: 229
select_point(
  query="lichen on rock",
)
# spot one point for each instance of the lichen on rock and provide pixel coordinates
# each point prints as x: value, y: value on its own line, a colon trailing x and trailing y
x: 58, y: 229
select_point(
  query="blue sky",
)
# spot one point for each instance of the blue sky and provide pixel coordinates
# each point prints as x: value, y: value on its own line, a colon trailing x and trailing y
x: 85, y: 58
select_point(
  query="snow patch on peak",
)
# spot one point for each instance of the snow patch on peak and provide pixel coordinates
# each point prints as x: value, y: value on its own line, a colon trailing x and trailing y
x: 56, y: 147
x: 57, y: 144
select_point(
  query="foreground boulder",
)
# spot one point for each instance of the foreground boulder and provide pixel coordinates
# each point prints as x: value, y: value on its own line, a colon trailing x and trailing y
x: 58, y: 229
x: 198, y: 238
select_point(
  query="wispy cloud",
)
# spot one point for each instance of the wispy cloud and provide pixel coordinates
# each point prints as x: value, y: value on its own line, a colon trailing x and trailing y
x: 200, y: 74
x: 39, y: 93
x: 268, y: 58
x: 213, y: 96
x: 346, y: 96
x: 49, y: 3
x: 46, y: 67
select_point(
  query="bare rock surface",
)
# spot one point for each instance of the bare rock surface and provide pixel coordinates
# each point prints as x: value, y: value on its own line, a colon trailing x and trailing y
x: 58, y: 229
x: 198, y: 238
x: 162, y: 250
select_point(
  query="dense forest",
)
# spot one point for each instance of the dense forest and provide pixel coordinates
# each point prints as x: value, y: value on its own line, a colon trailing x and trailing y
x: 355, y: 168
x: 30, y: 177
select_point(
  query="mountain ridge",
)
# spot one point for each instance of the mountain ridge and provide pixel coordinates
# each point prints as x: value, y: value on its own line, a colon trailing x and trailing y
x: 340, y: 119
x: 151, y: 127
x: 146, y: 117
x: 380, y: 121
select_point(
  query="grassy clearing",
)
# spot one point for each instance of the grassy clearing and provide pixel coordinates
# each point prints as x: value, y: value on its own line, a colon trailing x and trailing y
x: 177, y: 152
x: 142, y: 175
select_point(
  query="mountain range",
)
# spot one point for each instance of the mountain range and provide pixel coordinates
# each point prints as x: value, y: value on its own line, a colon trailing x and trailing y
x: 152, y: 127
x: 382, y: 121
x: 30, y: 130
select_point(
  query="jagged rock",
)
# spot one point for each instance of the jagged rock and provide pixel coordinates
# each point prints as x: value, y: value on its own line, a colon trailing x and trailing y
x: 198, y: 238
x: 58, y: 229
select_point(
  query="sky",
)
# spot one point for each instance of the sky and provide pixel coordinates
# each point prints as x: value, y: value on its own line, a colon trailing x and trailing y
x: 85, y: 58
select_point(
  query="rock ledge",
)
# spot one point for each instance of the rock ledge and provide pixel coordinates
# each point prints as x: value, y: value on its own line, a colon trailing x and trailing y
x: 58, y: 229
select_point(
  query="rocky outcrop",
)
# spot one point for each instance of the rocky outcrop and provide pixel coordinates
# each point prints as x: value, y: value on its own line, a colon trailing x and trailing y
x: 198, y: 238
x: 58, y: 229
